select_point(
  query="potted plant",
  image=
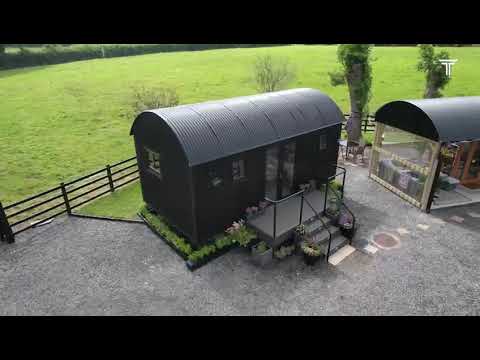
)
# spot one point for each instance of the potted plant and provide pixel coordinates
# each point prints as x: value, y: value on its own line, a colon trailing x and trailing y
x: 300, y: 232
x: 251, y: 212
x: 345, y: 222
x: 285, y: 250
x: 333, y: 210
x: 311, y: 252
x: 261, y: 254
x: 262, y: 205
x: 240, y: 234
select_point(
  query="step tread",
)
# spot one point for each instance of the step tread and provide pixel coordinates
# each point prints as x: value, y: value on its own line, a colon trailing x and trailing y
x: 323, y: 235
x: 315, y: 225
x: 341, y: 254
x: 337, y: 243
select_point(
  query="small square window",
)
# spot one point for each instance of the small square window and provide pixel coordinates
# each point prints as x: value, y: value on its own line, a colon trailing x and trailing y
x: 154, y: 162
x: 215, y: 180
x: 323, y: 142
x: 238, y: 170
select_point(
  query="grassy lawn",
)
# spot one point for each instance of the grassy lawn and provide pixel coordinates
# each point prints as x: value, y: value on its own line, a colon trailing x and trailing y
x: 122, y: 204
x: 60, y: 121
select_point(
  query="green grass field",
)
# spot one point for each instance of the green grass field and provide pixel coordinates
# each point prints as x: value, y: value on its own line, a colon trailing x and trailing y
x: 60, y: 121
x: 122, y: 204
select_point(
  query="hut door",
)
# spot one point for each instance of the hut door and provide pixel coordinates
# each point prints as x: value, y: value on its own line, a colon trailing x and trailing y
x: 279, y: 171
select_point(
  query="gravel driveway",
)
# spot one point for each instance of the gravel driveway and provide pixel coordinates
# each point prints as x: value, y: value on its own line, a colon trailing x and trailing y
x: 78, y: 266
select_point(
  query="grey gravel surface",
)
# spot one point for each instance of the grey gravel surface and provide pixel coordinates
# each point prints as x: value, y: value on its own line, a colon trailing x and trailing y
x: 91, y: 267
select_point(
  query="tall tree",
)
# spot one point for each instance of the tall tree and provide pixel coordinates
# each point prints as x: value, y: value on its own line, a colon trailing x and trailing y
x: 357, y: 71
x: 435, y: 74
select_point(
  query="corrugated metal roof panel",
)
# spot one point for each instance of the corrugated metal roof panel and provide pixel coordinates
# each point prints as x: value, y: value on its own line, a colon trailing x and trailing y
x: 216, y: 129
x: 440, y: 119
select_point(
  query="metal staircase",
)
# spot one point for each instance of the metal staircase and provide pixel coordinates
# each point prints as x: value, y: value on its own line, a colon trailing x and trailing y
x: 322, y: 232
x: 277, y: 224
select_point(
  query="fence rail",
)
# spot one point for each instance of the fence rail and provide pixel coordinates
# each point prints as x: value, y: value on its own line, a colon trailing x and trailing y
x: 15, y: 218
x: 368, y: 123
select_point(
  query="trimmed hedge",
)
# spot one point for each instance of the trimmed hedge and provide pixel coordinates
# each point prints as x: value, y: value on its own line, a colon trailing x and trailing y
x: 220, y: 242
x: 54, y: 54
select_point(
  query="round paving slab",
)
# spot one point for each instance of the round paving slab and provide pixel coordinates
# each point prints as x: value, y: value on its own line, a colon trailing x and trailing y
x: 386, y: 241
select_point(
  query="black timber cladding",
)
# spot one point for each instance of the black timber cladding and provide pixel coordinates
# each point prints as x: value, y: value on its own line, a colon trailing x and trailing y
x: 217, y: 129
x: 441, y: 119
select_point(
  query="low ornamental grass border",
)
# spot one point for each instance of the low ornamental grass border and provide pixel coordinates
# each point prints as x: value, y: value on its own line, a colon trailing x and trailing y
x: 194, y: 258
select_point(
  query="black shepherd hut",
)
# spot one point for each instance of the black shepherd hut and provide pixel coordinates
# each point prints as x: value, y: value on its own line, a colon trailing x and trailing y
x: 202, y: 165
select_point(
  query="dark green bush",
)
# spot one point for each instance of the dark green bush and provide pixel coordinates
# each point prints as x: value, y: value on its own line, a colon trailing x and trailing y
x: 56, y: 54
x: 159, y: 224
x: 337, y: 78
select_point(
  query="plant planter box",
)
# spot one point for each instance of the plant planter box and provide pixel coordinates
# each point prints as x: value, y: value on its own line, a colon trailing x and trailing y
x: 191, y: 265
x: 310, y: 260
x: 262, y: 259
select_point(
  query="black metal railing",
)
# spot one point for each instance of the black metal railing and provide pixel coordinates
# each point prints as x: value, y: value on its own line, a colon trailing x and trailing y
x: 339, y: 171
x: 324, y: 225
x: 276, y: 202
x: 64, y: 198
x: 340, y: 198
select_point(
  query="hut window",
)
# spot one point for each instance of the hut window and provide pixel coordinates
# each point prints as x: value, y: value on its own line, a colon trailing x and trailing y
x: 214, y: 179
x: 238, y: 170
x: 323, y: 142
x: 154, y: 162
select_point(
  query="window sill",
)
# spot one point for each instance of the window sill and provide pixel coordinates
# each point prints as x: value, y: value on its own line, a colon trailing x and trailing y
x: 239, y: 181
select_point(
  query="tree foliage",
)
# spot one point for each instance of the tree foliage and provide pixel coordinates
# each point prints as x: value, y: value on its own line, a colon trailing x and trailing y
x: 272, y: 74
x: 356, y: 62
x: 435, y: 75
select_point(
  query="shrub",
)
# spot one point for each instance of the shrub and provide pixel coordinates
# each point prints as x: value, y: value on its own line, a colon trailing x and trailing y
x: 337, y: 78
x: 272, y: 74
x: 223, y: 241
x: 153, y: 98
x: 261, y: 247
x: 202, y: 252
x: 311, y: 249
x: 159, y: 224
x: 240, y: 234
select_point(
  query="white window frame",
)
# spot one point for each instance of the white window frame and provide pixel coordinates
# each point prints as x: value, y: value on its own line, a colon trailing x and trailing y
x: 154, y: 163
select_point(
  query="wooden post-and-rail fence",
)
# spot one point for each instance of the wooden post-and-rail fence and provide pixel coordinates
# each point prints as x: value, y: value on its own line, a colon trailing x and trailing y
x: 368, y: 123
x: 17, y: 217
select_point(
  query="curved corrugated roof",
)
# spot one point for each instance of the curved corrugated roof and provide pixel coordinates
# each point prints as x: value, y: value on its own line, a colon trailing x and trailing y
x: 441, y: 119
x: 216, y: 129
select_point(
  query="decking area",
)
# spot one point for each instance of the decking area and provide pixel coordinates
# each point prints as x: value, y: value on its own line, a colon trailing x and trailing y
x: 461, y: 195
x: 288, y: 216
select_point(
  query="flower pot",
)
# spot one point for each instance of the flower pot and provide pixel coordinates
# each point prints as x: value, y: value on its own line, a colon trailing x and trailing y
x: 333, y: 217
x: 261, y: 259
x: 284, y: 251
x: 310, y: 260
x: 348, y: 232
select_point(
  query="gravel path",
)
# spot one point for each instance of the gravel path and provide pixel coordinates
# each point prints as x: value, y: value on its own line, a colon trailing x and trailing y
x: 90, y: 267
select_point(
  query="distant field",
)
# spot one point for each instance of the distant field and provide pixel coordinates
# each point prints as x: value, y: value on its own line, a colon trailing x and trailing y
x: 60, y: 121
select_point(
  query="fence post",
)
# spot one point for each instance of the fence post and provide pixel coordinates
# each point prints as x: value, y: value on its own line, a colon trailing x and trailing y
x: 6, y: 233
x: 110, y: 180
x: 365, y: 125
x: 65, y: 199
